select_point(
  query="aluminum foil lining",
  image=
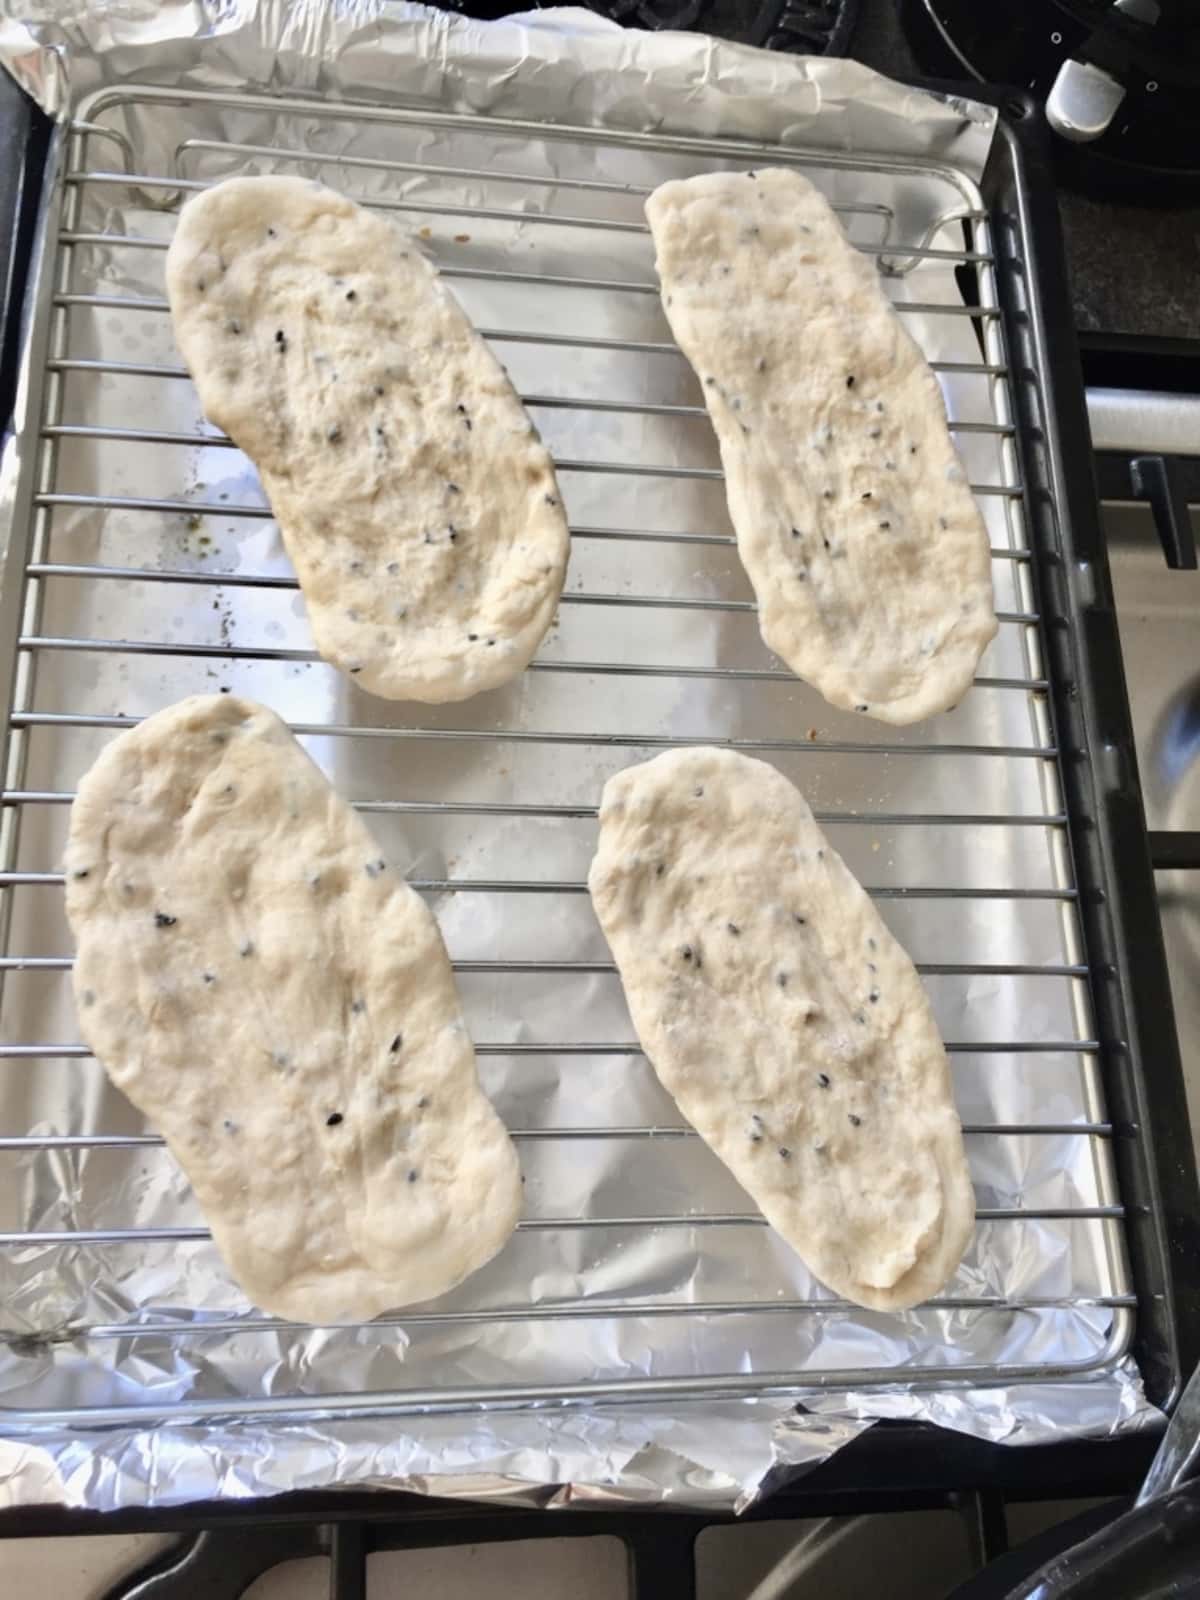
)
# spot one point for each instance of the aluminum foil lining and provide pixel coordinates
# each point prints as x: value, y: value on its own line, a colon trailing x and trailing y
x: 705, y: 1452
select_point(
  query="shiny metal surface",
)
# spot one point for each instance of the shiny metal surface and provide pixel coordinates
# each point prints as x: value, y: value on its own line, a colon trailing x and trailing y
x: 1159, y: 615
x: 151, y: 569
x: 1144, y: 420
x: 116, y: 1393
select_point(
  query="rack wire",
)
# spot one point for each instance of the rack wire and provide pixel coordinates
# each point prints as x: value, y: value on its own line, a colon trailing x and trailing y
x: 126, y: 600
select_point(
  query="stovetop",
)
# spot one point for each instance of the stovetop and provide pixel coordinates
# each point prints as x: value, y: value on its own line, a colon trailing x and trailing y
x: 1134, y: 271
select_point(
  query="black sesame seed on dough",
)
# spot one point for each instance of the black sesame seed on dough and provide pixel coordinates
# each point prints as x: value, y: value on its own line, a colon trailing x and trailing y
x: 396, y: 1043
x: 332, y: 1120
x: 162, y: 920
x: 823, y: 1080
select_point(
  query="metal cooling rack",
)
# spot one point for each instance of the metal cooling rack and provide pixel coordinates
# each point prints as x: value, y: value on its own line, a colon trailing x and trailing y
x: 603, y: 696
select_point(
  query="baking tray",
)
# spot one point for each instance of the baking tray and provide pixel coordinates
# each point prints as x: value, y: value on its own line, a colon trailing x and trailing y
x: 144, y: 566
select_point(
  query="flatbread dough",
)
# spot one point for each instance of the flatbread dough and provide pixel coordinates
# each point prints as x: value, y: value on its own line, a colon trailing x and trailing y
x: 789, y: 1025
x: 417, y: 503
x: 278, y: 1002
x: 854, y: 521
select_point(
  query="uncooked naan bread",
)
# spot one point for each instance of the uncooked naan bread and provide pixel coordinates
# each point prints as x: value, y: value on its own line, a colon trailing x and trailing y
x: 278, y: 1002
x: 853, y: 518
x: 789, y: 1025
x: 417, y: 503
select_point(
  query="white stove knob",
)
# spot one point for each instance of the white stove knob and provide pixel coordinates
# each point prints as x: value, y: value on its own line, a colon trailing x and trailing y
x: 1082, y: 101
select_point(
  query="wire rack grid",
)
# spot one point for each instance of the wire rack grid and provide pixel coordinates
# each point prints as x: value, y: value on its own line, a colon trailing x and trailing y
x: 147, y: 567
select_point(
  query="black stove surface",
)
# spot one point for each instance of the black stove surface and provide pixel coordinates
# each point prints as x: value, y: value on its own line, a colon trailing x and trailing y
x: 1133, y: 271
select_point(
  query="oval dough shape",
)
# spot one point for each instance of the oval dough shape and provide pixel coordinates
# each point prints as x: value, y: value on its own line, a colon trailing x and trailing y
x: 279, y: 1005
x: 789, y: 1025
x: 415, y: 498
x: 854, y: 521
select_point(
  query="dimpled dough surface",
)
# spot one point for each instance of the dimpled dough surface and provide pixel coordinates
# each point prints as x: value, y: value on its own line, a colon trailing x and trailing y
x: 854, y: 521
x: 789, y: 1025
x: 417, y: 503
x: 279, y: 1005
